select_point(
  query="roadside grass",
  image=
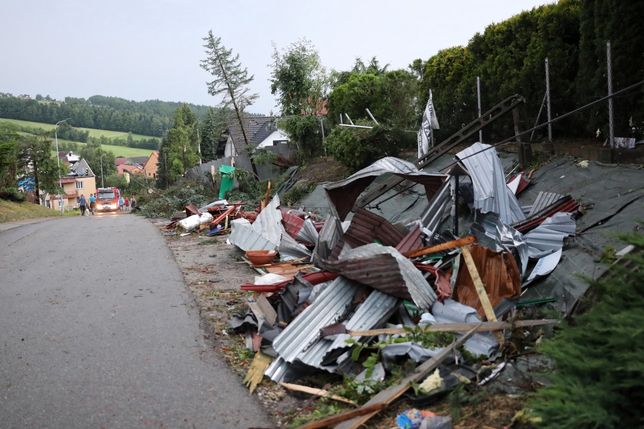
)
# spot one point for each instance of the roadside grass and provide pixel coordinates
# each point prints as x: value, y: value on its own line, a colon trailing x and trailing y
x: 11, y: 211
x: 93, y: 132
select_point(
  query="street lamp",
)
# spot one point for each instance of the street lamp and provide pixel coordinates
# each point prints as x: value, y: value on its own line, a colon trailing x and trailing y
x: 60, y: 180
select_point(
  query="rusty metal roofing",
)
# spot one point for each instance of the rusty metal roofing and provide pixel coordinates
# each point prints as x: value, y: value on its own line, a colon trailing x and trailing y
x: 330, y: 306
x: 491, y: 194
x: 384, y: 269
x: 330, y: 235
x: 411, y: 241
x: 344, y: 193
x: 366, y: 227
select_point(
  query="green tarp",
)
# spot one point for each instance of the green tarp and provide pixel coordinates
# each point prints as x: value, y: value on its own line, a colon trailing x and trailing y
x: 227, y: 180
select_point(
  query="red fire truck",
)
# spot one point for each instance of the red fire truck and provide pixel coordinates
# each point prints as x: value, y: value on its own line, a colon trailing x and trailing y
x: 107, y: 199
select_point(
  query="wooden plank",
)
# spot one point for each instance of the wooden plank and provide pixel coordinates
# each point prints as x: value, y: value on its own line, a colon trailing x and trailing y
x: 478, y: 285
x: 318, y: 392
x: 464, y: 241
x: 389, y: 395
x: 339, y: 418
x: 458, y: 327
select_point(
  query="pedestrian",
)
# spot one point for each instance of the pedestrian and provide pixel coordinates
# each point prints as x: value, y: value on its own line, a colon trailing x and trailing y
x: 133, y: 204
x: 121, y: 202
x: 82, y: 202
x: 127, y: 204
x: 92, y: 203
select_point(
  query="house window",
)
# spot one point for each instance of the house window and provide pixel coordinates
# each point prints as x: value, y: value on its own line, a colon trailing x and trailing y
x: 79, y: 185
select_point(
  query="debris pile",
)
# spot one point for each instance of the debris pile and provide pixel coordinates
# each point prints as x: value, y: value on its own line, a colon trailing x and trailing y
x: 357, y: 294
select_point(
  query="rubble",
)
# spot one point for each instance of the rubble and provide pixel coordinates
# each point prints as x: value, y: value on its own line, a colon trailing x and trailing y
x: 366, y: 289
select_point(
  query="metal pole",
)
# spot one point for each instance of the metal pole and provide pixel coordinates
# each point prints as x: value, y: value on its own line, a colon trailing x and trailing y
x: 548, y: 100
x: 60, y: 180
x: 609, y: 76
x: 322, y: 129
x: 478, y: 97
x: 102, y: 177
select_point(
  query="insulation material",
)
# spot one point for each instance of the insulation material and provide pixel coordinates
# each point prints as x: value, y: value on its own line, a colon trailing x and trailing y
x: 500, y: 275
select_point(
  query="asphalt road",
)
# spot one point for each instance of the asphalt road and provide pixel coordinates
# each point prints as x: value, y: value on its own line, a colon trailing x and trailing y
x: 98, y: 331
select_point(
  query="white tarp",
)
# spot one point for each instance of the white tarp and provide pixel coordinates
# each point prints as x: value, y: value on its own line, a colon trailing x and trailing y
x: 429, y: 123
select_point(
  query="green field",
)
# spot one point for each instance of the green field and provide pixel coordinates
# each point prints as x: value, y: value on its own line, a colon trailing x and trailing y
x: 92, y: 131
x: 116, y: 150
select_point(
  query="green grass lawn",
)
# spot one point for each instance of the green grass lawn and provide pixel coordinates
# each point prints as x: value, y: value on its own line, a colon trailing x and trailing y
x: 11, y: 211
x: 92, y: 131
x: 116, y: 150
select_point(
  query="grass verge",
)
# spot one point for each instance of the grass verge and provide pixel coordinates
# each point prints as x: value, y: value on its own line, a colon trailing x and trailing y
x: 11, y: 211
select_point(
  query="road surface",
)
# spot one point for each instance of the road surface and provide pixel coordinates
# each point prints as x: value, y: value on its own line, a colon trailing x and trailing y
x: 98, y: 331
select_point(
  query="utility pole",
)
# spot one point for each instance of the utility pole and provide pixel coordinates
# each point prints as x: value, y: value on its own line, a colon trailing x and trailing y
x: 60, y: 180
x: 478, y: 98
x: 102, y: 176
x: 609, y: 76
x: 548, y: 99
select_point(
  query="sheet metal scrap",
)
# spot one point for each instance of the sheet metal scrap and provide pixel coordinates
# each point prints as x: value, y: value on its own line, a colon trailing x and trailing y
x: 491, y: 194
x: 366, y: 227
x: 548, y: 237
x: 344, y: 193
x: 329, y: 307
x: 565, y: 204
x: 373, y: 312
x: 384, y: 269
x: 500, y: 275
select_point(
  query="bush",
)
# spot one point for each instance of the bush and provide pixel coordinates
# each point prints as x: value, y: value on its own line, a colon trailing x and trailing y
x: 356, y: 147
x: 12, y: 194
x: 599, y: 369
x: 173, y: 199
x: 306, y: 133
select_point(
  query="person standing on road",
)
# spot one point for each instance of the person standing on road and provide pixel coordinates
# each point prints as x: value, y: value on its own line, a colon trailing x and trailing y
x: 127, y: 204
x: 82, y: 202
x: 121, y: 202
x: 92, y: 203
x: 133, y: 204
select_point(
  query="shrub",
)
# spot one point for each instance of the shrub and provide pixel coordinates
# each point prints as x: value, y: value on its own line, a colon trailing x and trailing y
x: 356, y: 147
x: 12, y: 194
x: 599, y: 370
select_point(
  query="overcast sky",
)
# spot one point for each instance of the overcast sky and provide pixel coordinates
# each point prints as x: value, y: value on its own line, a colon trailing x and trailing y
x: 150, y: 49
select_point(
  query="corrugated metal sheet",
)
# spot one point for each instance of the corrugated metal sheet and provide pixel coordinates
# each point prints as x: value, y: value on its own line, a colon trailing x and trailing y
x: 344, y: 193
x: 290, y: 249
x: 384, y: 269
x: 438, y: 209
x: 411, y: 241
x: 329, y: 307
x: 373, y: 312
x: 543, y: 200
x: 330, y: 235
x: 366, y: 227
x: 269, y: 221
x: 548, y: 237
x: 491, y: 194
x: 276, y: 370
x: 246, y: 238
x: 493, y: 234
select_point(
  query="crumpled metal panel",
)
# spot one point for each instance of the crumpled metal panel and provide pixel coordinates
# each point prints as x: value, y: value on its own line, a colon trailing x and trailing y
x: 269, y: 221
x: 438, y: 209
x: 493, y: 234
x: 544, y: 199
x: 450, y: 311
x: 277, y: 369
x: 330, y: 235
x: 246, y: 238
x: 491, y: 193
x: 412, y: 240
x: 366, y: 227
x: 344, y: 193
x: 373, y: 312
x: 548, y: 237
x: 290, y: 249
x: 329, y: 307
x: 385, y: 269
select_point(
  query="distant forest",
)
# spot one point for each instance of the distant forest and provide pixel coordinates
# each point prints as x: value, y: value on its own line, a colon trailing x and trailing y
x: 151, y: 117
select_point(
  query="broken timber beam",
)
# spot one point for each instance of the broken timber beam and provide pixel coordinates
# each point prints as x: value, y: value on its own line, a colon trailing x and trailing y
x: 317, y: 392
x: 465, y: 241
x: 458, y: 327
x: 478, y: 285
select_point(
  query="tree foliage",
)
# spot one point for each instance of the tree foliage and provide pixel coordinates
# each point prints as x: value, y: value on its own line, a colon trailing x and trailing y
x: 179, y: 148
x: 599, y: 370
x: 210, y: 131
x: 306, y: 133
x: 298, y: 79
x: 151, y: 117
x: 389, y: 95
x: 357, y: 147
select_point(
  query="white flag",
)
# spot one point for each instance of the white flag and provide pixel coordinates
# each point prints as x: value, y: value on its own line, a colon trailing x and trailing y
x: 429, y: 123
